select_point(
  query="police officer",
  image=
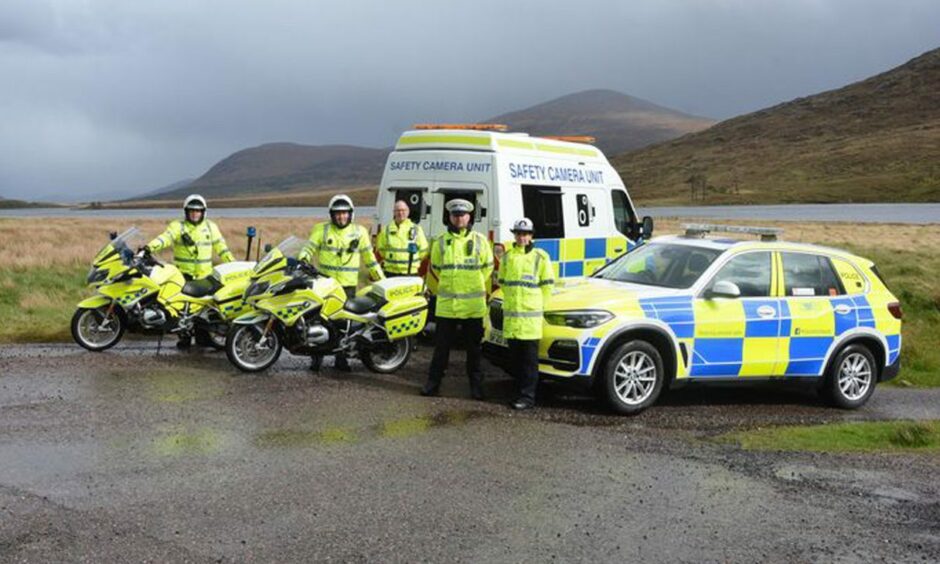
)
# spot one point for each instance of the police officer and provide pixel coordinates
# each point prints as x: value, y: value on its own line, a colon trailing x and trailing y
x: 193, y: 240
x: 526, y: 277
x: 339, y: 247
x: 402, y: 244
x: 460, y: 275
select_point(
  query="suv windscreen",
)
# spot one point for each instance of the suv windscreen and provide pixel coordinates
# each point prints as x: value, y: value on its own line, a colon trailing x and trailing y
x: 661, y: 264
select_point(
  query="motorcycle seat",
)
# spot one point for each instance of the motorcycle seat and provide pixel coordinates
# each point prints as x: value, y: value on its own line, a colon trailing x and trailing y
x: 201, y: 288
x: 360, y: 305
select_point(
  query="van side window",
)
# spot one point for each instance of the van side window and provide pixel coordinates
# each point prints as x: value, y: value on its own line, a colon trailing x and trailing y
x: 542, y: 204
x: 623, y: 220
x: 807, y: 274
x: 463, y: 195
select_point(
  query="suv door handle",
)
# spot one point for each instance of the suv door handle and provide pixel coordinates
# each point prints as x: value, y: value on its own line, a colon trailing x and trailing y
x: 842, y: 309
x: 766, y: 311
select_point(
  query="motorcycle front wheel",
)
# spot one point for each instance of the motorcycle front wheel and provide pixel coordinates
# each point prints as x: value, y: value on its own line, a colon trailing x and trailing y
x: 95, y: 330
x: 249, y: 351
x: 387, y: 357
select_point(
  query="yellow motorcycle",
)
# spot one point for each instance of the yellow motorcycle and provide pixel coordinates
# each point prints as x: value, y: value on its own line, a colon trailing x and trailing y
x: 135, y: 292
x: 308, y: 314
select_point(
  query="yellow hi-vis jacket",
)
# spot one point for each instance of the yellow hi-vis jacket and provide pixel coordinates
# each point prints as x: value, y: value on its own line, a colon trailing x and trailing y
x: 193, y: 244
x: 526, y: 278
x: 461, y: 274
x: 339, y: 252
x: 393, y: 244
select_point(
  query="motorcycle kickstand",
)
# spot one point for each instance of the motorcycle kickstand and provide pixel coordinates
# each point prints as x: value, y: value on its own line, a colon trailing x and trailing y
x: 159, y: 343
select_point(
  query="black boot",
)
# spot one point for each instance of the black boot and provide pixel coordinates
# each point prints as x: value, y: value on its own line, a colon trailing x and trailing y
x: 315, y: 361
x: 185, y: 342
x: 341, y: 363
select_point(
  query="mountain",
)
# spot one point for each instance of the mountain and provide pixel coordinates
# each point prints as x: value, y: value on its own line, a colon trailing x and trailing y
x: 874, y: 140
x: 618, y: 122
x: 283, y: 167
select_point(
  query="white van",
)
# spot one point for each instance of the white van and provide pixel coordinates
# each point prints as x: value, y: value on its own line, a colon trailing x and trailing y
x: 582, y: 212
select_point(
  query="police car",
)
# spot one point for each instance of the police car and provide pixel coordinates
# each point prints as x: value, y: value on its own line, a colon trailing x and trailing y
x: 583, y: 213
x: 695, y: 308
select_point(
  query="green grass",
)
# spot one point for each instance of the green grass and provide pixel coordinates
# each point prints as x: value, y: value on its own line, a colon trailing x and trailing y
x: 913, y: 277
x: 36, y: 304
x: 870, y: 436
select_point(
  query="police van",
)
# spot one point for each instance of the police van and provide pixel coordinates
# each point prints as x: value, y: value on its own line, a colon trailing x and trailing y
x: 582, y: 212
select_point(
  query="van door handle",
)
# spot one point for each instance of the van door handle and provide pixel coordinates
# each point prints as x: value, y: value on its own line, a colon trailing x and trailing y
x: 766, y: 311
x: 843, y: 309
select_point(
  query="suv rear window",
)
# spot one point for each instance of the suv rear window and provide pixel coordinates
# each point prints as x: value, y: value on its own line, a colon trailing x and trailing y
x: 807, y: 274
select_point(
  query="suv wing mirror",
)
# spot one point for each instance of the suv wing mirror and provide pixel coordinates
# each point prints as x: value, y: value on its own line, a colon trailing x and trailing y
x: 723, y: 289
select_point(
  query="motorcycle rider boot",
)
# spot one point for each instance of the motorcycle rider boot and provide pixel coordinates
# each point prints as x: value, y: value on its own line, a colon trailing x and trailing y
x: 315, y: 361
x: 185, y: 342
x: 341, y: 363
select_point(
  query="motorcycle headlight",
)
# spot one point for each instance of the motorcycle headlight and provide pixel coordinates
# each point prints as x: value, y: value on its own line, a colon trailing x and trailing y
x: 256, y: 289
x: 96, y: 275
x: 584, y: 319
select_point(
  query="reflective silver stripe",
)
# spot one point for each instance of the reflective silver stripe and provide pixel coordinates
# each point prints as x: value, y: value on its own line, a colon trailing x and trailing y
x: 191, y: 261
x: 459, y: 267
x: 467, y: 296
x: 396, y: 261
x: 547, y: 282
x: 326, y: 232
x: 442, y: 245
x: 538, y: 259
x: 395, y: 250
x: 520, y: 283
x: 339, y: 268
x: 521, y: 313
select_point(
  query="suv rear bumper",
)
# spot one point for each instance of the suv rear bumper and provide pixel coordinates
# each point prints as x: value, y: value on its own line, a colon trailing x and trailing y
x: 891, y: 370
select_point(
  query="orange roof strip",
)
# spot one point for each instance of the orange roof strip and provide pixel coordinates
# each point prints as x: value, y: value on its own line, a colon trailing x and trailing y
x: 572, y: 138
x: 471, y: 126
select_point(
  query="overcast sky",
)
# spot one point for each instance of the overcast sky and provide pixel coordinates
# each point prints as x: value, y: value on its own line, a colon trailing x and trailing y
x: 116, y: 95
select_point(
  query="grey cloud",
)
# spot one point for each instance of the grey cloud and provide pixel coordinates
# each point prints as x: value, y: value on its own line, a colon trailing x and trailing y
x: 111, y: 95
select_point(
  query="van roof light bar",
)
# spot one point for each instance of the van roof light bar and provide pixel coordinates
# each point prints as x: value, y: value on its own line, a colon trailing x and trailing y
x: 572, y: 138
x: 699, y: 230
x: 469, y: 126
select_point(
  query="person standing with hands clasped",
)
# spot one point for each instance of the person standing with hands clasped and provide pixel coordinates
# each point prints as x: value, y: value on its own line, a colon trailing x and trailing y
x: 460, y: 275
x: 526, y: 277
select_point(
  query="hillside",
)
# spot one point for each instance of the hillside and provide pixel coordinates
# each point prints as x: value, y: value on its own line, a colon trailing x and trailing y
x: 286, y: 167
x: 619, y: 122
x: 877, y: 140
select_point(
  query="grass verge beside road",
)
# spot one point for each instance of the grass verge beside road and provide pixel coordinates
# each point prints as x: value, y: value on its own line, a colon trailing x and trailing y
x: 869, y: 436
x: 43, y: 264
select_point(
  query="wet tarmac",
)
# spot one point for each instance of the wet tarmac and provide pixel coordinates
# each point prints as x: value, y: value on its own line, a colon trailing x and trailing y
x: 132, y: 456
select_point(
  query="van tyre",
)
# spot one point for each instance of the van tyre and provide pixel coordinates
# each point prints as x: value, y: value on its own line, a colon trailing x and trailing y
x: 388, y: 357
x: 94, y: 332
x: 852, y: 377
x: 633, y: 377
x: 249, y: 351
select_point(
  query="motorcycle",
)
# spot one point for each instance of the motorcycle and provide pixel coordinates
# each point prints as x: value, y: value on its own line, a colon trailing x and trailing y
x: 135, y: 292
x: 298, y: 309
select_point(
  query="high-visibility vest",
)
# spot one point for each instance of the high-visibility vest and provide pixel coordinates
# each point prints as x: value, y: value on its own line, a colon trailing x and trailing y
x: 526, y: 277
x: 193, y: 245
x: 340, y: 252
x: 460, y: 274
x: 393, y: 244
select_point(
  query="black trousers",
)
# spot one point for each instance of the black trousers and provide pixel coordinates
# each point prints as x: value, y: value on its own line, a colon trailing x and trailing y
x: 525, y: 367
x: 445, y: 335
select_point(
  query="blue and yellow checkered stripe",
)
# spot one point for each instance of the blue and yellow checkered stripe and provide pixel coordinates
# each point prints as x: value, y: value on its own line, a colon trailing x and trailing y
x: 582, y: 257
x: 730, y: 338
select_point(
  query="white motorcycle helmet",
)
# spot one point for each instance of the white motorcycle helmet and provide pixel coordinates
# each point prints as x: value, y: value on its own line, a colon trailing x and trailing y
x: 195, y: 202
x: 338, y: 203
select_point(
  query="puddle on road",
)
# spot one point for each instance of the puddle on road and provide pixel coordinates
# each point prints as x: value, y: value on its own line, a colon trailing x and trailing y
x: 181, y: 441
x: 391, y: 429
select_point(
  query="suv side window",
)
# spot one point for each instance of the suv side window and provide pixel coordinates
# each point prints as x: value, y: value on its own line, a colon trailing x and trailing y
x: 751, y: 272
x: 806, y: 274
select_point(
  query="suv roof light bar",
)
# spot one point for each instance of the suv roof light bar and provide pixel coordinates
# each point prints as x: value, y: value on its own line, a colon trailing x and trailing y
x: 467, y: 126
x: 699, y: 230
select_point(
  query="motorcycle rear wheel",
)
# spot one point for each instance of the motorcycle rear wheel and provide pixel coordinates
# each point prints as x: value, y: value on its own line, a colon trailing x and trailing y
x: 388, y: 357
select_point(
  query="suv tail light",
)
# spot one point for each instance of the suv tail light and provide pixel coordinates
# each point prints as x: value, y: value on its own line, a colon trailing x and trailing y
x: 895, y: 309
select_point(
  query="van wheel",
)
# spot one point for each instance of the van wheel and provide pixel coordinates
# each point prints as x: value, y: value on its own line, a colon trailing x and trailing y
x: 852, y: 377
x: 633, y: 377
